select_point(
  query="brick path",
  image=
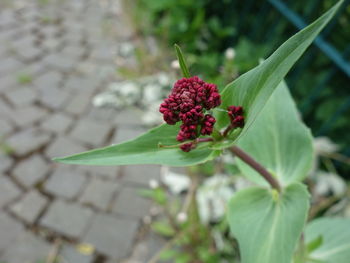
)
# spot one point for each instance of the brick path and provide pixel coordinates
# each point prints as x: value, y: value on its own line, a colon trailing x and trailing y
x: 54, y: 56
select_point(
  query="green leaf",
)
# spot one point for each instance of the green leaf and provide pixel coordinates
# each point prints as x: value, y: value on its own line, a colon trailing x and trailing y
x: 144, y: 150
x: 183, y: 258
x: 158, y: 195
x: 267, y: 224
x: 163, y: 229
x: 168, y: 254
x: 252, y: 89
x: 335, y: 233
x: 278, y: 140
x: 314, y: 244
x: 182, y: 62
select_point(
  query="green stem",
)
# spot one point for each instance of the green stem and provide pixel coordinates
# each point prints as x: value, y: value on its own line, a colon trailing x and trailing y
x: 182, y: 62
x: 256, y: 166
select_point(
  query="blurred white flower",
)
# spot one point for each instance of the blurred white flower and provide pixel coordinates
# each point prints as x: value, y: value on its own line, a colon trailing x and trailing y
x: 181, y: 217
x: 329, y: 183
x: 325, y: 145
x: 175, y: 64
x: 228, y: 158
x: 242, y: 183
x: 153, y: 184
x: 164, y: 79
x: 152, y: 92
x: 212, y: 198
x: 176, y: 183
x: 147, y: 220
x: 155, y: 210
x: 126, y: 49
x: 106, y: 99
x: 152, y: 116
x: 230, y: 53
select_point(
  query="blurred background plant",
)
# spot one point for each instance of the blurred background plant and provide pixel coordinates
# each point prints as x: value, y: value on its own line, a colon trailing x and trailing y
x: 190, y: 205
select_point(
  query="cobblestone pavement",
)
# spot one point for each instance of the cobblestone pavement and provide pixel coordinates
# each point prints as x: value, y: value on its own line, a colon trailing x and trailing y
x: 54, y: 56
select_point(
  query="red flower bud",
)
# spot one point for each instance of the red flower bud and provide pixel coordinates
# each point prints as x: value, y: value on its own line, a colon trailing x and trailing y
x: 236, y: 116
x: 186, y: 102
x: 188, y: 146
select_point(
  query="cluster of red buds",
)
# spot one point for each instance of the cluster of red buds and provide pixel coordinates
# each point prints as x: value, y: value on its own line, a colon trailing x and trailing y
x: 236, y: 116
x: 188, y: 100
x: 186, y: 103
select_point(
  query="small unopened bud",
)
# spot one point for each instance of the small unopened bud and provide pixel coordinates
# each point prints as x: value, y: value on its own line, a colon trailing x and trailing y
x: 153, y: 184
x: 154, y: 211
x: 175, y: 64
x: 147, y: 220
x: 230, y: 53
x: 187, y: 146
x: 181, y: 217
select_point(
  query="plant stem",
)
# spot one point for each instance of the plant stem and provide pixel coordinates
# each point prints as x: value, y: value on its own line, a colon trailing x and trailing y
x: 167, y: 246
x: 204, y: 140
x: 227, y: 130
x: 256, y: 166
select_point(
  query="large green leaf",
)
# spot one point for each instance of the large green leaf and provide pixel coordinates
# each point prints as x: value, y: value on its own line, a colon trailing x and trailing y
x: 253, y: 89
x: 335, y: 247
x: 266, y: 224
x: 278, y: 140
x: 144, y: 150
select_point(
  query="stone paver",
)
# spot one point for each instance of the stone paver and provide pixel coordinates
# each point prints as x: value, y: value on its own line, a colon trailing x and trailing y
x: 22, y: 96
x: 6, y: 127
x: 27, y: 141
x: 104, y: 114
x: 77, y: 52
x: 29, y: 115
x: 125, y: 134
x: 28, y: 248
x: 68, y: 219
x: 29, y: 54
x: 109, y: 172
x: 58, y: 123
x: 129, y: 202
x: 63, y: 146
x: 99, y: 193
x: 60, y: 62
x: 128, y: 118
x: 80, y: 84
x: 47, y: 80
x: 5, y: 162
x: 66, y: 182
x: 141, y: 174
x: 69, y: 254
x: 31, y: 170
x: 10, y: 230
x: 5, y: 110
x: 91, y: 132
x: 112, y: 236
x: 78, y: 103
x: 30, y: 206
x: 53, y: 97
x: 8, y: 191
x: 9, y: 65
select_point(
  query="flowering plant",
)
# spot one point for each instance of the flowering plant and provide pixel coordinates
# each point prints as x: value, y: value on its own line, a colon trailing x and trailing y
x: 256, y: 119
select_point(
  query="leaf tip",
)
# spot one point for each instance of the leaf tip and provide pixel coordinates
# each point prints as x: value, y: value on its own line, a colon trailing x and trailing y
x: 58, y: 159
